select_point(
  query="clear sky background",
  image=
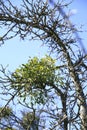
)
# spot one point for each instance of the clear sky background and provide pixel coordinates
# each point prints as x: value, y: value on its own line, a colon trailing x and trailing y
x: 15, y: 52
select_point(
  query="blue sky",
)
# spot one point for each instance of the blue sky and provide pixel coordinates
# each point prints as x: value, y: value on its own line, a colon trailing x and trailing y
x: 15, y: 52
x: 80, y: 18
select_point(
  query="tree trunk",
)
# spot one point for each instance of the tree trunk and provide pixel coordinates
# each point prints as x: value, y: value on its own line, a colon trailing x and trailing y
x: 79, y: 90
x: 63, y: 99
x: 81, y: 100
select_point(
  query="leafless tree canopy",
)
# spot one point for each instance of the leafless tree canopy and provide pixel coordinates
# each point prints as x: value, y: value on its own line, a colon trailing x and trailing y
x: 37, y: 20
